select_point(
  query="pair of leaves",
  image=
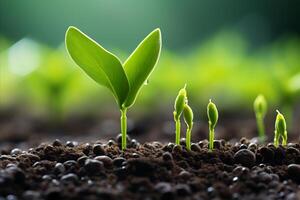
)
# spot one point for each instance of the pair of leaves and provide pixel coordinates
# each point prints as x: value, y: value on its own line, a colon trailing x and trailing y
x: 123, y: 80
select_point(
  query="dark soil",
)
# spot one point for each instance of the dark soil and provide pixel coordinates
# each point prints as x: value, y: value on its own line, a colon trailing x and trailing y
x: 150, y: 171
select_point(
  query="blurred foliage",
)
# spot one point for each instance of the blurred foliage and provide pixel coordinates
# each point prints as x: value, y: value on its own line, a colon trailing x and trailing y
x: 223, y: 68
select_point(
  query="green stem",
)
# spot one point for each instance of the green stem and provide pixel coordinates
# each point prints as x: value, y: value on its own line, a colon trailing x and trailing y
x: 188, y: 138
x: 276, y: 139
x: 261, y: 128
x: 283, y: 142
x: 124, y: 128
x: 284, y: 139
x: 211, y: 138
x: 177, y: 131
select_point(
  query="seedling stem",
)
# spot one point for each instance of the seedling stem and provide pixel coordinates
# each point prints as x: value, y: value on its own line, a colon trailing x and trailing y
x: 177, y: 131
x: 124, y: 128
x: 260, y: 127
x: 211, y: 138
x: 188, y: 138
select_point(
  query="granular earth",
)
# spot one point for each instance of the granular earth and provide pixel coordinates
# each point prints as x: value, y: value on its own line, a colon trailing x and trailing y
x: 149, y: 171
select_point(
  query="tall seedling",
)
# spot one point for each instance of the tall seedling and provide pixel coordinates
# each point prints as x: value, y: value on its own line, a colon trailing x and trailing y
x: 124, y: 80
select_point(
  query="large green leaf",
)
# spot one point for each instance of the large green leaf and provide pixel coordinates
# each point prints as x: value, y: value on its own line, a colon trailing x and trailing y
x: 101, y: 65
x: 141, y: 63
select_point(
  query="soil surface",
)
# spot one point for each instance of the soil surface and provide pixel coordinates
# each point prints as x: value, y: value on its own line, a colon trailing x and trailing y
x: 98, y: 170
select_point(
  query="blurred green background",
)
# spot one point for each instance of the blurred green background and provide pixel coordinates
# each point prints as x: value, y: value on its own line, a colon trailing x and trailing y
x: 229, y: 51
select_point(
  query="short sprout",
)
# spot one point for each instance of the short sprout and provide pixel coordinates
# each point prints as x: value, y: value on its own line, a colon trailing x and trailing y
x: 188, y: 118
x: 180, y: 102
x: 212, y: 113
x: 280, y: 130
x: 260, y: 108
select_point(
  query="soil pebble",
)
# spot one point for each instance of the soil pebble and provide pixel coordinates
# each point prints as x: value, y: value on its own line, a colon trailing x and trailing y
x: 93, y: 166
x: 107, y: 161
x: 98, y: 150
x: 245, y: 157
x: 294, y: 172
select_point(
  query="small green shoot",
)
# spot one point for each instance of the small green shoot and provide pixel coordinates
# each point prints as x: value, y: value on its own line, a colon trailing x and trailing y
x: 260, y: 109
x: 124, y: 80
x: 212, y: 113
x: 180, y: 102
x: 280, y: 130
x: 188, y: 118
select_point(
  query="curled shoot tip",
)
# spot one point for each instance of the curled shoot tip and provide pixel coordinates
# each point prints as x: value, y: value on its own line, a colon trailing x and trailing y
x: 212, y: 113
x: 280, y: 129
x: 260, y: 106
x: 188, y: 118
x: 180, y: 101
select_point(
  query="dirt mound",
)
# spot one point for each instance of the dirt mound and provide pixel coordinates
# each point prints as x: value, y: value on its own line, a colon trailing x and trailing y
x: 151, y: 171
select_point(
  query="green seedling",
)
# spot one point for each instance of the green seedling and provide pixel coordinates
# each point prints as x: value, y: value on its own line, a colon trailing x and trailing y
x: 280, y: 130
x: 124, y: 80
x: 188, y: 118
x: 212, y: 113
x: 180, y: 102
x: 48, y: 85
x: 260, y: 109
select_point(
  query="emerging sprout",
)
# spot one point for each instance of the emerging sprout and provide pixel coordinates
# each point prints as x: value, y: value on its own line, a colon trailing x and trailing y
x: 188, y: 118
x: 180, y: 102
x: 124, y: 80
x: 260, y: 108
x: 280, y: 130
x: 212, y: 113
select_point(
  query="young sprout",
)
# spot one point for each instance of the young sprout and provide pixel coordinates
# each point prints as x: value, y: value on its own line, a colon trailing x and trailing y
x: 124, y: 80
x: 212, y: 113
x: 280, y: 130
x: 188, y: 118
x: 260, y: 108
x: 180, y: 102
